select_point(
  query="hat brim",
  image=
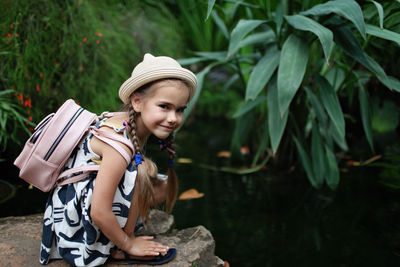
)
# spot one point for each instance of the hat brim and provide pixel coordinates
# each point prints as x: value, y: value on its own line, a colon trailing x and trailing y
x: 135, y: 82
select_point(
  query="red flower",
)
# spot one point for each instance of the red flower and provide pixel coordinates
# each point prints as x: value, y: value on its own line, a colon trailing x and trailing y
x: 84, y: 40
x: 41, y: 75
x: 37, y: 88
x: 97, y: 42
x: 30, y: 118
x: 9, y: 35
x: 57, y: 64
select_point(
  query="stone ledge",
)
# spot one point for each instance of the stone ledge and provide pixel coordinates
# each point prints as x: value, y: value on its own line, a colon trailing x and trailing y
x: 20, y: 239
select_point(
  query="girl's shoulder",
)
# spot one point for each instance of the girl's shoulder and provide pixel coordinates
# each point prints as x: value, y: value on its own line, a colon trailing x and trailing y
x: 115, y: 123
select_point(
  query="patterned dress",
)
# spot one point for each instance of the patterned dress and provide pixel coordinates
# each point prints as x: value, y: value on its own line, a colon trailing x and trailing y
x: 68, y: 230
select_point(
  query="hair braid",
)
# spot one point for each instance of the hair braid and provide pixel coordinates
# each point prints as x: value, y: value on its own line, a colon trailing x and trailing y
x: 146, y: 192
x: 172, y: 184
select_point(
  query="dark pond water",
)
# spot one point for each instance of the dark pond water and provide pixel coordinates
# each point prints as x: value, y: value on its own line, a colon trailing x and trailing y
x: 269, y: 219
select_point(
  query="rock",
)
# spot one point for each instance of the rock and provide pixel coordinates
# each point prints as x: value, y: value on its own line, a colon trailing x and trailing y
x: 20, y: 239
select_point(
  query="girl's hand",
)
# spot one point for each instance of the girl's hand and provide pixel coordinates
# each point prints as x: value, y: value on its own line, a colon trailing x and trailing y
x: 143, y: 246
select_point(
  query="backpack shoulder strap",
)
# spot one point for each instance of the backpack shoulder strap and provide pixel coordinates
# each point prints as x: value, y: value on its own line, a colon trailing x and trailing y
x: 114, y: 140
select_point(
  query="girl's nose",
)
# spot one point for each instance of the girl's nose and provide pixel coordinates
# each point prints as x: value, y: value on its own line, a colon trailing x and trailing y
x: 172, y: 117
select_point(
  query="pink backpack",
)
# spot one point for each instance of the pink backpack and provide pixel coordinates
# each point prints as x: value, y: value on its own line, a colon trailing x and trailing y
x: 55, y: 137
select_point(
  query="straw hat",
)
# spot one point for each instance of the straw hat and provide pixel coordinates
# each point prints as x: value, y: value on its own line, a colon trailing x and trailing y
x: 156, y: 68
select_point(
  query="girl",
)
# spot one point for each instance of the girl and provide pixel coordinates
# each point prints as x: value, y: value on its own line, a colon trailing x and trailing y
x: 87, y: 221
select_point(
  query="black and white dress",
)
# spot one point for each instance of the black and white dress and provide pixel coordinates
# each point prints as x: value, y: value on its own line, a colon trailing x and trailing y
x: 68, y: 230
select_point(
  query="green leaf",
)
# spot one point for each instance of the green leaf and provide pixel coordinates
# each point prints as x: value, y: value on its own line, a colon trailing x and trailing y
x: 191, y: 60
x: 292, y: 67
x: 306, y: 24
x: 380, y: 13
x: 248, y: 105
x: 383, y: 33
x: 317, y: 155
x: 220, y: 23
x: 348, y: 9
x: 390, y: 82
x: 263, y: 144
x: 339, y: 140
x: 276, y: 122
x: 335, y: 77
x: 200, y: 80
x: 365, y: 114
x: 305, y: 161
x: 346, y: 40
x: 331, y: 104
x: 239, y: 32
x: 220, y: 56
x: 256, y: 38
x: 332, y: 171
x: 316, y: 105
x: 262, y: 72
x: 211, y: 4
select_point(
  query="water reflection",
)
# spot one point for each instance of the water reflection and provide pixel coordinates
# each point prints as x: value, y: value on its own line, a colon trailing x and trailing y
x: 278, y: 221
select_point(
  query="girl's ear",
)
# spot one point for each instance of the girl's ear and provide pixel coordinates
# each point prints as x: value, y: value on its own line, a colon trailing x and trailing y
x: 136, y: 103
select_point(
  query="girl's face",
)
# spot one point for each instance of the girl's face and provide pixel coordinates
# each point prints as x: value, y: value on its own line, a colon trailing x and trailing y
x: 161, y: 108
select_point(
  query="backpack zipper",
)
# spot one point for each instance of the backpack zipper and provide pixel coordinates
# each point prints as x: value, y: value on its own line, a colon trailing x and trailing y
x: 63, y: 132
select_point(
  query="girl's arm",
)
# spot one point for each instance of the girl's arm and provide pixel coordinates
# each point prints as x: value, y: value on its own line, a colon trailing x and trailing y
x: 112, y: 168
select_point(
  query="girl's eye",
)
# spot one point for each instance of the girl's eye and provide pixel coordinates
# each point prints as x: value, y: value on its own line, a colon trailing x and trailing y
x: 164, y: 106
x: 180, y: 110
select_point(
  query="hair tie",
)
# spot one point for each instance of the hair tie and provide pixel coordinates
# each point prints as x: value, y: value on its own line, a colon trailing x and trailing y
x: 138, y: 159
x: 170, y: 163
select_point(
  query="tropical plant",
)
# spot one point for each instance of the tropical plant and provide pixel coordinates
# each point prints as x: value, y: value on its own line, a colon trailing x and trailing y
x: 308, y: 68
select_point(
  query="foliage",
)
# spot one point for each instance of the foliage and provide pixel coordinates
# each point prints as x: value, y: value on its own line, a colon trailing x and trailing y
x: 12, y: 119
x: 55, y: 50
x: 302, y: 64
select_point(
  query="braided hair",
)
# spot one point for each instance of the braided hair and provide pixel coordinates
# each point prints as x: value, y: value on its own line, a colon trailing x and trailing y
x: 148, y: 170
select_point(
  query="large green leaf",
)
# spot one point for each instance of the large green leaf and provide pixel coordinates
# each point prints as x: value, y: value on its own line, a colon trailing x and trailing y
x: 306, y: 24
x: 246, y: 106
x: 383, y: 33
x: 292, y: 67
x: 239, y: 32
x: 348, y: 9
x: 262, y: 72
x: 305, y: 161
x: 332, y: 170
x: 276, y: 122
x: 365, y: 114
x: 346, y: 40
x: 331, y: 104
x: 317, y: 155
